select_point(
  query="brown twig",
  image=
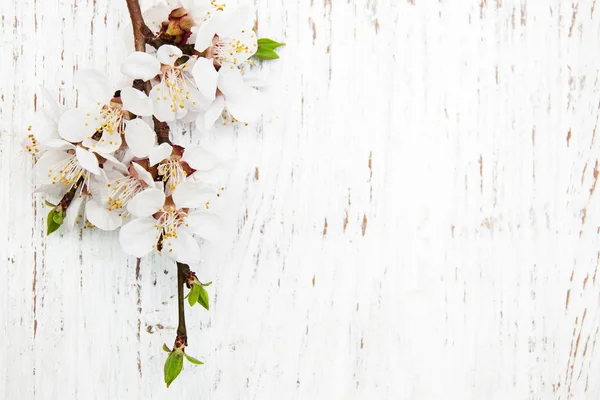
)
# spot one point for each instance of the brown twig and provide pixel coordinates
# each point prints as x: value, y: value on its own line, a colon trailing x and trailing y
x: 142, y: 35
x: 162, y: 131
x: 183, y: 270
x: 66, y: 200
x: 140, y: 29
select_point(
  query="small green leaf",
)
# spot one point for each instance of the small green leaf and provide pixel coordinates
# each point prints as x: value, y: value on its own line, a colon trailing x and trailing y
x: 49, y: 204
x: 266, y: 54
x: 193, y: 360
x: 173, y: 366
x: 266, y: 43
x: 58, y: 217
x: 206, y: 284
x: 51, y: 222
x: 193, y: 294
x: 203, y: 297
x: 166, y: 348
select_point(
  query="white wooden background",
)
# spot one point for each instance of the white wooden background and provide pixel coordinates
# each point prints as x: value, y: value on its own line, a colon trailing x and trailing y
x: 414, y: 218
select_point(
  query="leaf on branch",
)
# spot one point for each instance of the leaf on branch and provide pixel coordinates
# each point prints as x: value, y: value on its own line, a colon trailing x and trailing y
x: 193, y: 360
x: 266, y: 43
x: 54, y: 220
x: 193, y: 294
x: 173, y: 366
x: 166, y: 348
x: 206, y: 284
x: 46, y: 202
x: 203, y: 297
x: 266, y: 54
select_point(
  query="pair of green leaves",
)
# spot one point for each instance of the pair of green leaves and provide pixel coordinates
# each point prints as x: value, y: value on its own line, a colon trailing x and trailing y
x: 198, y: 294
x: 266, y: 49
x: 54, y: 220
x: 174, y: 363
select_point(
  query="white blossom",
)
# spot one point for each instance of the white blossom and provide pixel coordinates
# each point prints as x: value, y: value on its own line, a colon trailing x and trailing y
x: 168, y: 223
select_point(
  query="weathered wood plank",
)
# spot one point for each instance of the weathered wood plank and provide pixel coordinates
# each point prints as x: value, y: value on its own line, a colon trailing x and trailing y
x: 415, y: 217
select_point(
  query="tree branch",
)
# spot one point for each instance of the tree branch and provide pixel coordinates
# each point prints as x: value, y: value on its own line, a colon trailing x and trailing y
x: 66, y: 200
x: 142, y: 35
x: 140, y: 30
x: 183, y: 270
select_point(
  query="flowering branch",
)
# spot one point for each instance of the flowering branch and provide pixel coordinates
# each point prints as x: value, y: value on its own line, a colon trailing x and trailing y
x: 113, y: 171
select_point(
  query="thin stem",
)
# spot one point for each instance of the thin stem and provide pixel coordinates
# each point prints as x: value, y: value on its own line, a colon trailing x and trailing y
x: 162, y: 131
x: 66, y: 200
x: 142, y: 35
x: 182, y: 272
x: 139, y: 26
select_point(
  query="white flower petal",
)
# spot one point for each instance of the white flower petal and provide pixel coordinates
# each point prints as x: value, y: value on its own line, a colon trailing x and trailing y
x: 109, y: 142
x: 135, y: 101
x: 237, y: 46
x: 206, y: 32
x: 247, y: 107
x: 139, y: 236
x: 94, y: 85
x: 53, y: 193
x: 168, y: 54
x: 139, y: 137
x: 183, y: 248
x: 155, y: 14
x: 46, y: 163
x: 74, y: 209
x: 87, y: 160
x: 75, y: 125
x: 231, y: 82
x: 206, y: 77
x: 205, y: 121
x: 50, y: 105
x: 98, y: 186
x: 112, y: 163
x: 199, y: 159
x: 101, y: 217
x: 146, y: 203
x: 164, y: 110
x: 59, y: 144
x: 144, y: 175
x: 243, y: 102
x: 192, y: 195
x: 206, y: 225
x: 140, y: 65
x: 196, y: 102
x: 159, y: 153
x: 234, y: 19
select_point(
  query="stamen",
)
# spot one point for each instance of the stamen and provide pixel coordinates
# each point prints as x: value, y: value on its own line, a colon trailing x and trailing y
x: 121, y: 192
x: 172, y: 173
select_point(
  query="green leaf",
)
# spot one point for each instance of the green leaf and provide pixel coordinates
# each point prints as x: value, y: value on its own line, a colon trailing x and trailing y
x: 266, y: 43
x: 49, y: 204
x: 166, y: 348
x: 266, y: 54
x: 206, y: 284
x: 193, y: 360
x: 193, y: 295
x: 58, y: 217
x: 52, y: 221
x: 173, y: 366
x: 203, y: 298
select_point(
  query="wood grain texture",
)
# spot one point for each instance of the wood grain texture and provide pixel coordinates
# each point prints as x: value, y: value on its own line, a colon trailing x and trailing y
x: 415, y: 217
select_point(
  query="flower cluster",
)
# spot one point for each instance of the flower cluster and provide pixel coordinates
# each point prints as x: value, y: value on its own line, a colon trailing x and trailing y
x: 102, y: 163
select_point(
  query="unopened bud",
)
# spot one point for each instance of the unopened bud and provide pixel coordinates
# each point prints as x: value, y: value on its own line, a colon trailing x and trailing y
x: 174, y: 29
x: 186, y: 23
x: 177, y: 13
